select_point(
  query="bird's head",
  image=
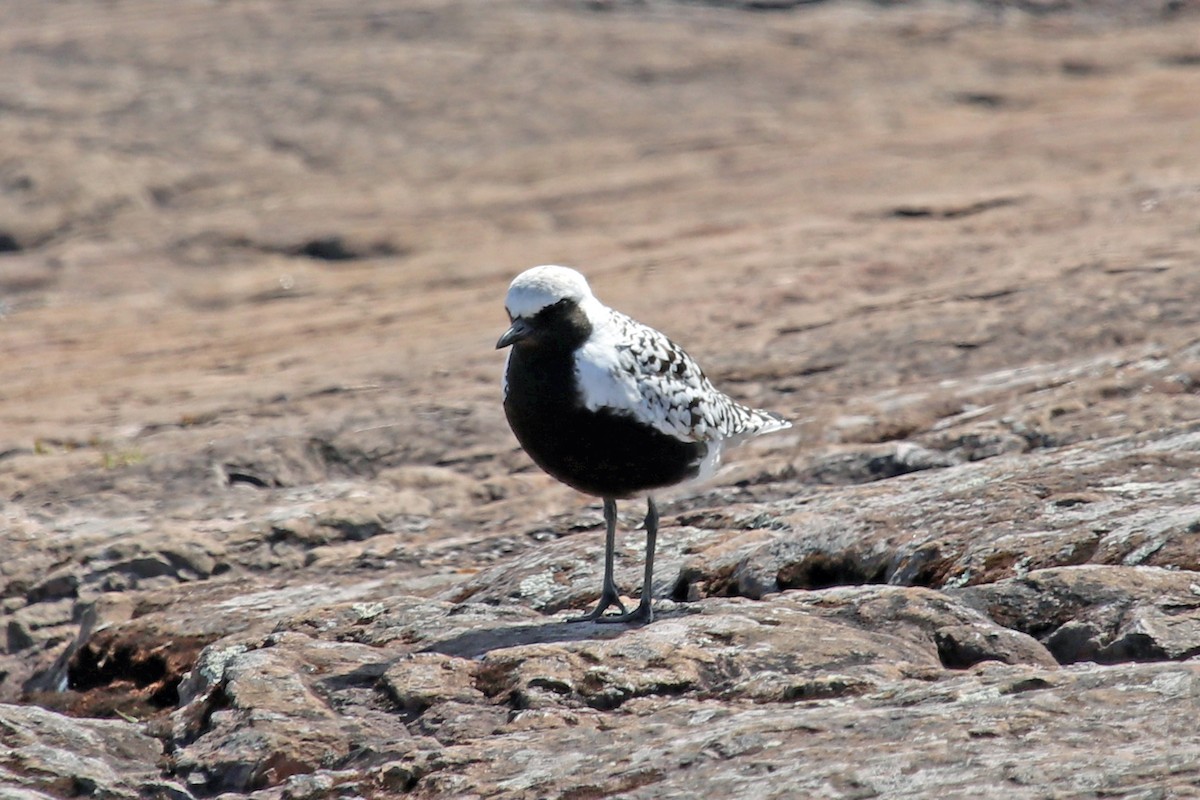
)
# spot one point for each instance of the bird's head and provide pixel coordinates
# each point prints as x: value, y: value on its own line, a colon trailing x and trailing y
x: 547, y: 304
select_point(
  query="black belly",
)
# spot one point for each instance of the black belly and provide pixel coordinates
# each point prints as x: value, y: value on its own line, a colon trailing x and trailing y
x: 602, y: 453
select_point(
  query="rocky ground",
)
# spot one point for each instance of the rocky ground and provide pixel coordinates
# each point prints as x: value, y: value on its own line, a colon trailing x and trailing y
x: 265, y: 531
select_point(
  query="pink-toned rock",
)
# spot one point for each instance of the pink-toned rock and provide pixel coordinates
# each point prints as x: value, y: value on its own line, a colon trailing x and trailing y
x: 260, y: 511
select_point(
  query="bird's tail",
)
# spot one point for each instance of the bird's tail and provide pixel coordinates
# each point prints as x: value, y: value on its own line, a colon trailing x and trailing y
x: 763, y: 421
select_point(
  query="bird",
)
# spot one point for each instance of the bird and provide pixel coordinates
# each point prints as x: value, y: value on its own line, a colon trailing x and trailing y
x: 612, y: 408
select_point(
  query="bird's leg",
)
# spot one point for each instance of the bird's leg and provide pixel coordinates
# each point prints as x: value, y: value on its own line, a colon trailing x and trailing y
x: 643, y: 613
x: 609, y: 596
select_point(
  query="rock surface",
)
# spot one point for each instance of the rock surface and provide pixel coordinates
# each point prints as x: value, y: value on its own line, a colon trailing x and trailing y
x: 264, y: 530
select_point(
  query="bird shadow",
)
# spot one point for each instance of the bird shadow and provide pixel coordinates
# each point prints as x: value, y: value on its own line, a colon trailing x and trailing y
x: 477, y: 643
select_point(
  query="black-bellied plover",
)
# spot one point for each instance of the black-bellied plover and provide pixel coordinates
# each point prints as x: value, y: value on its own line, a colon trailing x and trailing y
x: 611, y: 407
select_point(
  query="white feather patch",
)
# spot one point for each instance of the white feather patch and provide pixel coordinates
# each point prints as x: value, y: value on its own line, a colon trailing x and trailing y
x: 536, y: 288
x: 631, y: 368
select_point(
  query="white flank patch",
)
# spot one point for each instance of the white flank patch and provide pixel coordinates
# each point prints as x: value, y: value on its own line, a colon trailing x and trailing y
x: 504, y: 377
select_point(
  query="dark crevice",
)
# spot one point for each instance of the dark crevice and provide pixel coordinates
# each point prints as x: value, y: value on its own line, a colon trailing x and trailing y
x: 218, y: 700
x: 960, y: 653
x: 824, y: 570
x: 91, y: 669
x: 613, y: 698
x: 820, y: 570
x: 337, y: 248
x: 494, y: 680
x: 235, y: 475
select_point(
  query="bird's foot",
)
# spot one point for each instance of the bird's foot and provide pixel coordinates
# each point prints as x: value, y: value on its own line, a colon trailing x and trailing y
x: 642, y: 615
x: 608, y: 599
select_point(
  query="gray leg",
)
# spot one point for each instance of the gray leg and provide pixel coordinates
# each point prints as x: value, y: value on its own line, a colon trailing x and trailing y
x: 643, y: 613
x: 609, y: 595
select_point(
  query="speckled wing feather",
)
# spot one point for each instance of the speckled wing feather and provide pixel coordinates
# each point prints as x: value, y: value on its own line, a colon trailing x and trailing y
x: 630, y: 367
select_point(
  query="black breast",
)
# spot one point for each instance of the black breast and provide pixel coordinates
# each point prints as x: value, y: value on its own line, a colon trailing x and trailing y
x: 602, y: 453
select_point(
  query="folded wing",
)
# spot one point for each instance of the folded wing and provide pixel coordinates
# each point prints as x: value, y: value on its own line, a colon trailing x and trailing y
x: 630, y: 368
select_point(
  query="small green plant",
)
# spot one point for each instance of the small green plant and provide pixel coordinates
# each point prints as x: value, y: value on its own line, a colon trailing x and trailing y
x: 113, y: 459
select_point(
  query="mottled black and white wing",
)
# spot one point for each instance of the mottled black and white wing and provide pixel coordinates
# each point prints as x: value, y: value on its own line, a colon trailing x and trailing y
x: 631, y: 368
